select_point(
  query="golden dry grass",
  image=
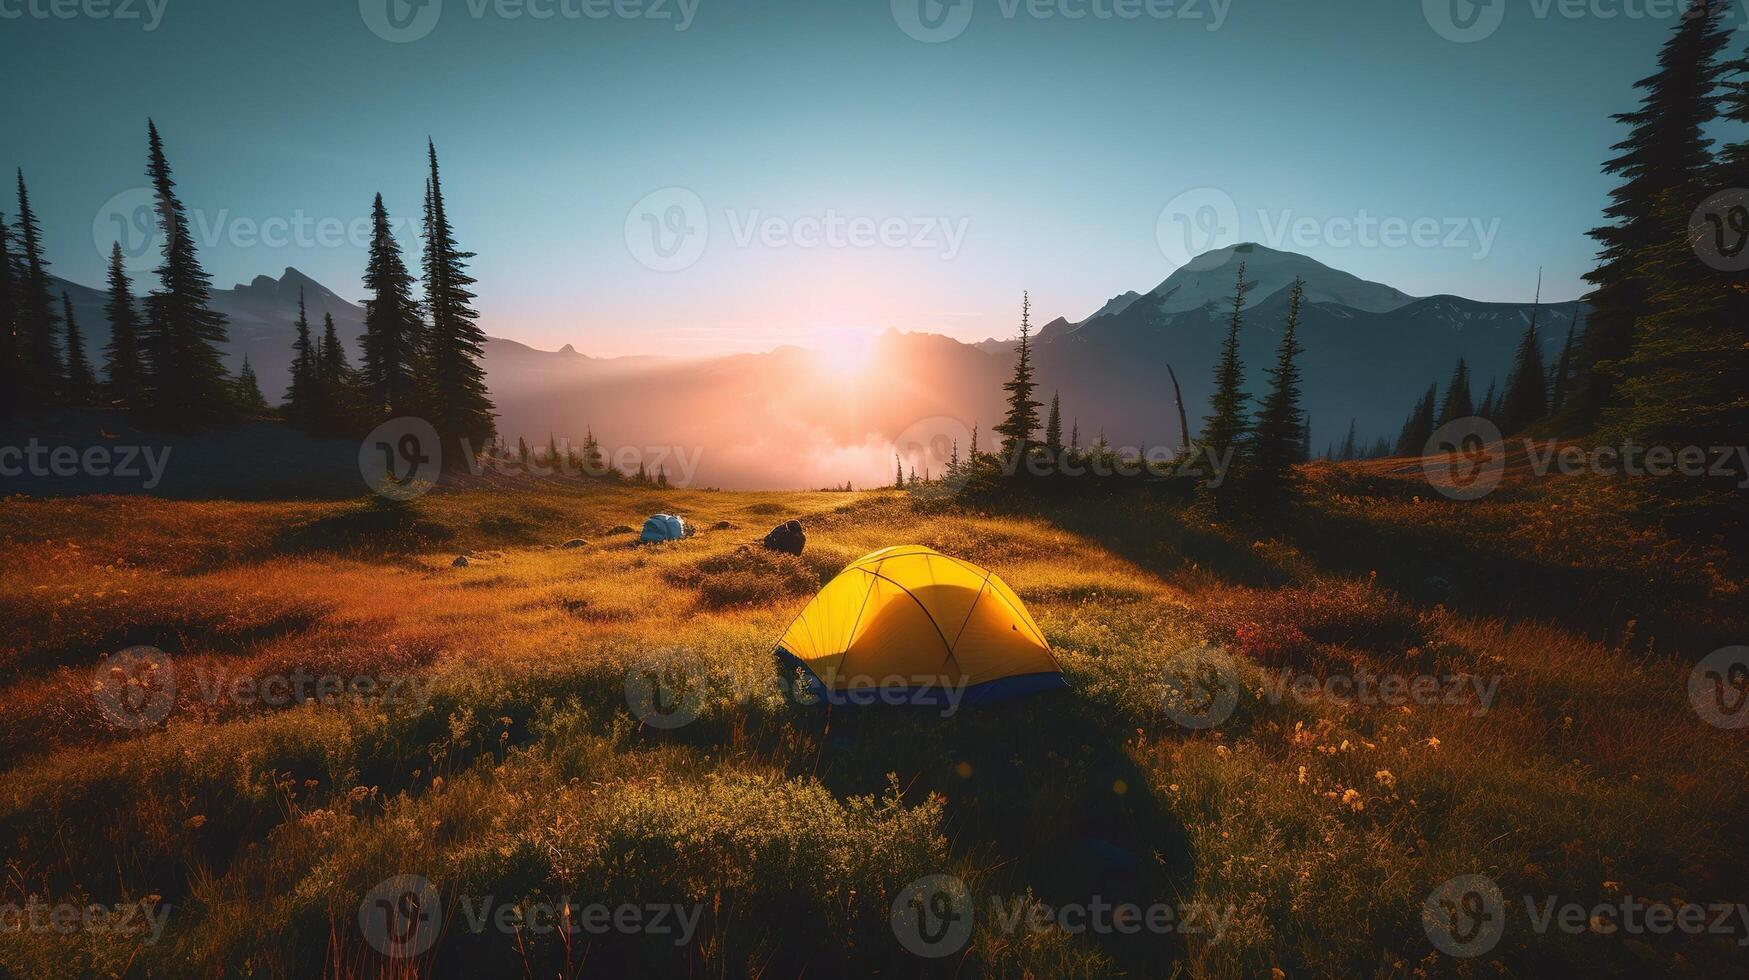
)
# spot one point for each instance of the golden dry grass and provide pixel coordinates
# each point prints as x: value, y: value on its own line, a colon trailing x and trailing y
x: 519, y: 771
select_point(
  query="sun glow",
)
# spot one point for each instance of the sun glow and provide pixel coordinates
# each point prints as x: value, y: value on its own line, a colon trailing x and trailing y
x: 846, y: 351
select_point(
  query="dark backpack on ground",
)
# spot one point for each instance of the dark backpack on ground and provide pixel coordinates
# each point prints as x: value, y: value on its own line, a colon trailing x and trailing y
x: 787, y: 537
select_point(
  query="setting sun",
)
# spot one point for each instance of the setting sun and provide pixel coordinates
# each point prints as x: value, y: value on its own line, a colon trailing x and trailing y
x: 846, y: 351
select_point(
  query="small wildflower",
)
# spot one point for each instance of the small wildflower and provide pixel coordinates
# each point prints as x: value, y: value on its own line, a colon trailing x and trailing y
x: 1386, y: 778
x: 1351, y: 799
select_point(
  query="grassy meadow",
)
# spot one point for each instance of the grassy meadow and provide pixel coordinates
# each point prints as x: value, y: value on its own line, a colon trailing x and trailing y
x: 1308, y: 830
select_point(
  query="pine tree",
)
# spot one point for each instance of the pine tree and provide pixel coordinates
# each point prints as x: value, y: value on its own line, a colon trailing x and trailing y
x: 1306, y: 440
x: 1022, y: 418
x: 898, y: 473
x: 1488, y: 409
x: 300, y: 398
x: 1224, y: 428
x: 1275, y: 443
x: 1418, y: 429
x: 42, y: 376
x: 1527, y: 388
x: 593, y: 463
x: 973, y: 454
x: 460, y: 407
x: 336, y: 383
x: 393, y: 331
x: 11, y: 363
x: 522, y: 451
x: 1457, y: 396
x: 123, y: 368
x: 1685, y: 380
x: 1562, y: 374
x: 248, y: 390
x: 1666, y: 150
x: 662, y: 476
x: 188, y: 377
x: 1075, y: 436
x: 80, y: 389
x: 1350, y: 449
x: 1054, y: 426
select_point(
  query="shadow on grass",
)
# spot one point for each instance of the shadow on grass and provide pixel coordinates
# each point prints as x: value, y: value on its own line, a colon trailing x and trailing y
x: 376, y: 526
x: 1039, y: 791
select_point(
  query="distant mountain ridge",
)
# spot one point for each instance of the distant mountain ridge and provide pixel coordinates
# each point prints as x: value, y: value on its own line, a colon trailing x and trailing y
x: 1371, y: 351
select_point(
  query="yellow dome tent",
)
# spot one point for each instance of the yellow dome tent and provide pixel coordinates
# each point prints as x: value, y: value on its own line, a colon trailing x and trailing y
x: 911, y: 625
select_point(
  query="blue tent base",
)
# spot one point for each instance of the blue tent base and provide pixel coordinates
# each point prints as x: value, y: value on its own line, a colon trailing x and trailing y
x: 815, y: 690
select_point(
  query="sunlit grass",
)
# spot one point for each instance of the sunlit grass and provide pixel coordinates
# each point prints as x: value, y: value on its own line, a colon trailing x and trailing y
x: 519, y: 772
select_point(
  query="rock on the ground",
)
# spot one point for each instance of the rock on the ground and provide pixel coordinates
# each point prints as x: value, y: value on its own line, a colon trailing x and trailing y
x: 575, y: 543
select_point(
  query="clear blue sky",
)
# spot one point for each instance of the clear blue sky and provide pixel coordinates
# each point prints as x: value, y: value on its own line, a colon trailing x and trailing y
x: 1052, y: 143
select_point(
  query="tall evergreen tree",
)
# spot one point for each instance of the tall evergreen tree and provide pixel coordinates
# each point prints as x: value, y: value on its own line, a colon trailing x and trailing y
x: 248, y: 390
x: 1488, y: 408
x: 898, y: 472
x: 80, y: 388
x: 593, y: 463
x: 1418, y: 429
x: 123, y: 367
x: 1224, y: 428
x: 1685, y: 382
x: 1561, y: 376
x: 393, y: 331
x: 1350, y: 447
x: 1666, y: 150
x: 460, y: 407
x: 37, y: 323
x: 1526, y: 400
x: 1054, y: 426
x: 337, y: 391
x: 189, y: 382
x: 1022, y: 419
x: 1457, y: 403
x: 11, y: 364
x: 1275, y: 444
x: 1075, y: 436
x: 1306, y: 440
x: 300, y: 398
